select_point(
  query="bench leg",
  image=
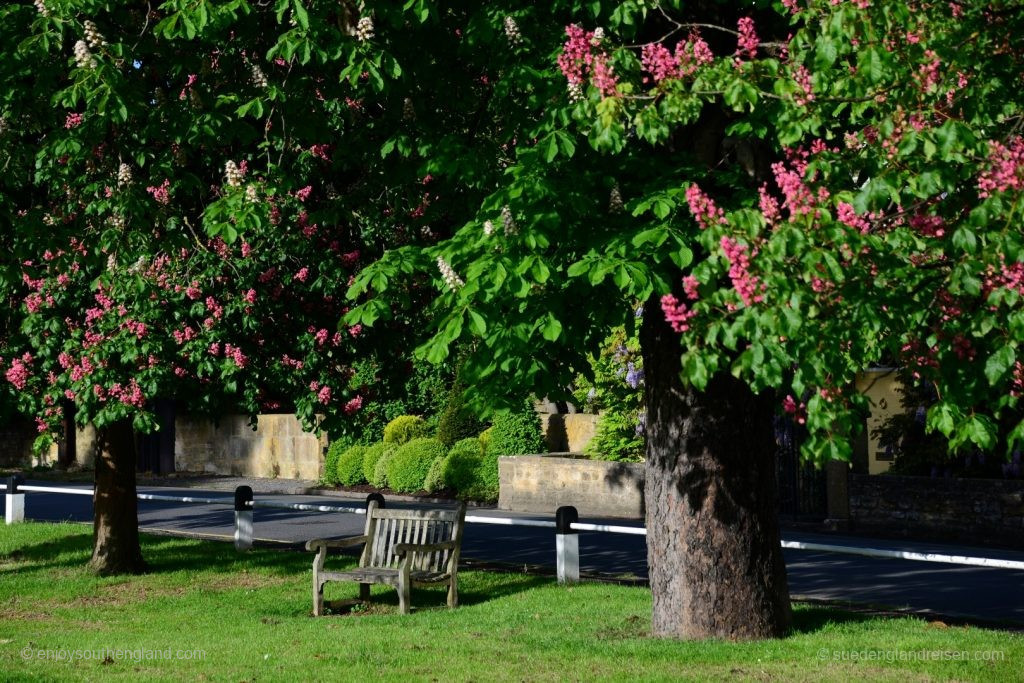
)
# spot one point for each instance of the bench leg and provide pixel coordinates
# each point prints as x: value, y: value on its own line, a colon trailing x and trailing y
x: 364, y: 592
x: 318, y: 596
x: 453, y: 592
x: 404, y: 589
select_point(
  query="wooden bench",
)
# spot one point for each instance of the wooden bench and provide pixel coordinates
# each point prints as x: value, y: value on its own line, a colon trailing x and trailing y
x: 401, y: 548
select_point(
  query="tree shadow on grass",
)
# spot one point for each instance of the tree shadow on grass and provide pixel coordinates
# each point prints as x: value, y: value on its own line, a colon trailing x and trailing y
x: 813, y: 618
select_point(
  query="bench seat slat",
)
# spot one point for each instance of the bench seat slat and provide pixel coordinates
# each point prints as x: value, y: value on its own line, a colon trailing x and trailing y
x: 384, y: 575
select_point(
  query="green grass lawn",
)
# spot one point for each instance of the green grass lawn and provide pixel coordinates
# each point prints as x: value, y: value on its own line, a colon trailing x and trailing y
x: 250, y: 615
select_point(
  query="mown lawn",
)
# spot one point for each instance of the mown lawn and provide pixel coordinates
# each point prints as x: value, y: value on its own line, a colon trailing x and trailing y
x: 250, y: 615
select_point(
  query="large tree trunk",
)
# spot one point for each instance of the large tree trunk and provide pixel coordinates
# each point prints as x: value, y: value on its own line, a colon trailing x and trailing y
x: 714, y: 558
x: 115, y: 508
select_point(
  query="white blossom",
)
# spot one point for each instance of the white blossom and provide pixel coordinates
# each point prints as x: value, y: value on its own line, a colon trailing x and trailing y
x: 509, y: 222
x: 364, y: 29
x: 83, y: 57
x: 124, y: 175
x: 408, y: 110
x: 598, y: 36
x: 93, y: 35
x: 232, y: 174
x: 576, y: 93
x: 512, y: 31
x: 449, y: 275
x: 42, y: 8
x: 259, y: 79
x: 615, y: 203
x: 488, y: 228
x: 251, y: 195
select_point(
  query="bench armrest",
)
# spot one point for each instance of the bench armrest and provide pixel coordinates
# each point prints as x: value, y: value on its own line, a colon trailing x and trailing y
x: 320, y: 544
x: 404, y: 548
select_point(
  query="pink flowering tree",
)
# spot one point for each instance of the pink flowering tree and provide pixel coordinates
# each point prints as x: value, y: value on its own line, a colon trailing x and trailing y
x: 181, y: 210
x: 792, y: 196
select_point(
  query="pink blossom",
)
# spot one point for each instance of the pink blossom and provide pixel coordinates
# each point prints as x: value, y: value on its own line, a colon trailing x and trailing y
x: 604, y: 77
x: 748, y: 40
x: 769, y: 205
x: 1005, y: 168
x: 661, y: 63
x: 746, y: 285
x: 929, y: 226
x: 303, y: 194
x: 355, y: 330
x: 302, y: 275
x: 353, y: 405
x: 803, y: 81
x: 246, y: 249
x: 74, y: 120
x: 162, y: 193
x: 676, y: 313
x: 351, y: 258
x: 321, y: 337
x: 848, y: 216
x: 324, y: 395
x: 18, y: 373
x: 576, y: 57
x: 703, y: 208
x: 250, y: 296
x: 690, y: 285
x: 798, y: 198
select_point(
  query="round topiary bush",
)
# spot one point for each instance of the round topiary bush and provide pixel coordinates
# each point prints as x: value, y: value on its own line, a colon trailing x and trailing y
x: 330, y: 475
x: 407, y: 469
x: 485, y: 439
x: 380, y: 470
x: 516, y: 433
x: 350, y: 466
x: 460, y: 468
x: 434, y: 481
x: 404, y: 429
x: 372, y: 456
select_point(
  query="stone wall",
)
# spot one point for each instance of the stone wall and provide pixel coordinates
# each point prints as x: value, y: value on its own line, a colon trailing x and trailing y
x: 278, y: 448
x: 567, y: 432
x: 968, y: 510
x: 596, y: 488
x: 16, y: 437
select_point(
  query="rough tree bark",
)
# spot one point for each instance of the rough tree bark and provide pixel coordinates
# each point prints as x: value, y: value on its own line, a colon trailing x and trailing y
x: 714, y: 558
x: 115, y: 508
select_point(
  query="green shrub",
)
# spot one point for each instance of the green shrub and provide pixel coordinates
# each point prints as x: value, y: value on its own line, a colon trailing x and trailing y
x: 434, y: 481
x: 380, y: 470
x: 350, y: 466
x: 407, y: 468
x: 616, y: 392
x: 457, y: 421
x: 485, y: 439
x: 334, y: 451
x: 372, y: 456
x: 404, y: 429
x: 517, y: 432
x: 461, y: 465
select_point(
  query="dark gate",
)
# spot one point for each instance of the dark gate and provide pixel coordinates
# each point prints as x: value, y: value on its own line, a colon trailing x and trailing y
x: 802, y: 488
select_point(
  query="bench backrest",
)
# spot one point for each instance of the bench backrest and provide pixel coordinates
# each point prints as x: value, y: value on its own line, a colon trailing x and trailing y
x: 386, y: 528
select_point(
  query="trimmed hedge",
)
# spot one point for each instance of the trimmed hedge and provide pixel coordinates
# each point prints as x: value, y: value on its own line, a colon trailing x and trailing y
x: 334, y: 451
x: 372, y: 455
x: 380, y: 470
x: 434, y: 481
x: 485, y: 439
x: 407, y: 469
x: 404, y: 429
x: 517, y: 433
x: 350, y: 466
x: 461, y: 465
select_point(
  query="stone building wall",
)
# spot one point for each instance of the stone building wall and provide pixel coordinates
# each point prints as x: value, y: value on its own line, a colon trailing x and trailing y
x: 978, y: 511
x: 278, y: 448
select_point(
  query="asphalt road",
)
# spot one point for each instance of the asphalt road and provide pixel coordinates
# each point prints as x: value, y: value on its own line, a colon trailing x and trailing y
x: 952, y: 590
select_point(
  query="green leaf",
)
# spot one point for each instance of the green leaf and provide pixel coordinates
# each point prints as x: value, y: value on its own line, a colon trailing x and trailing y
x: 477, y: 323
x: 998, y: 364
x: 552, y: 328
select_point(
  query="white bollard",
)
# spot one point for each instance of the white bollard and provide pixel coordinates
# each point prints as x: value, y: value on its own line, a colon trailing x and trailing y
x: 14, y: 502
x: 567, y: 545
x: 243, y: 518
